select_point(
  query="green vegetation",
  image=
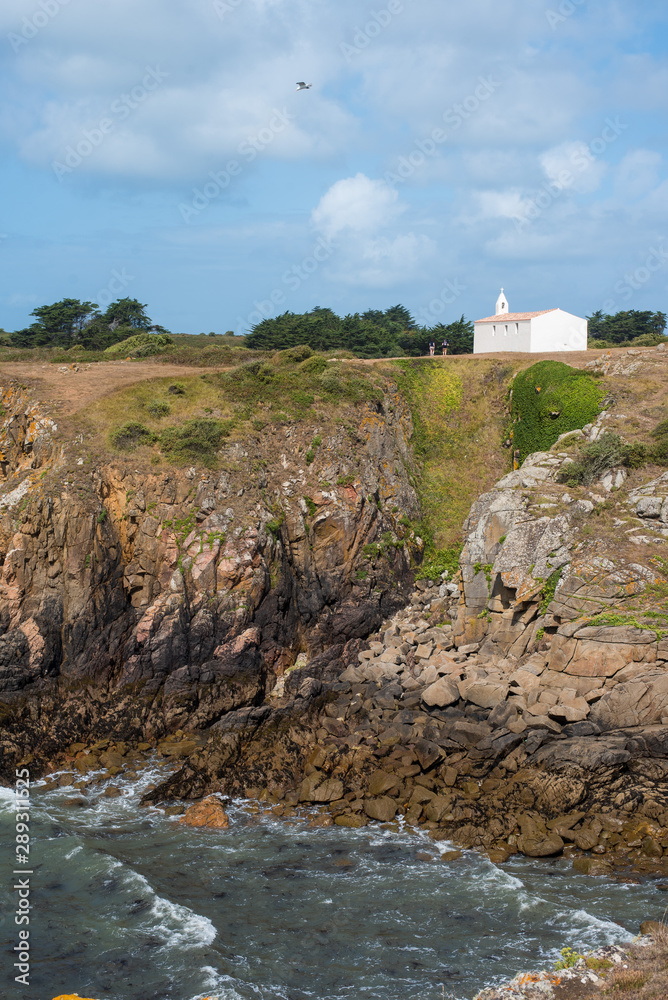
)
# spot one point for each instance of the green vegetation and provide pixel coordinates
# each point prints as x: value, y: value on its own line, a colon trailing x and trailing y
x: 310, y: 507
x: 158, y: 408
x: 438, y: 562
x: 130, y: 435
x: 140, y: 345
x: 283, y: 384
x: 569, y: 958
x: 626, y: 329
x: 549, y: 589
x: 595, y: 459
x: 373, y: 334
x: 550, y: 399
x: 73, y: 323
x: 195, y: 440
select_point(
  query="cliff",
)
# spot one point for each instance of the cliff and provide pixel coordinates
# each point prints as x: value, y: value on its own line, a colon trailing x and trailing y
x: 134, y: 601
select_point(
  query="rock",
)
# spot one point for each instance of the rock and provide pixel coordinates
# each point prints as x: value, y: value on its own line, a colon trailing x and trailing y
x: 592, y: 866
x: 382, y: 808
x: 649, y: 507
x: 483, y: 694
x: 442, y: 693
x: 451, y: 855
x: 354, y: 821
x: 438, y: 807
x: 314, y: 789
x: 76, y: 802
x: 651, y: 848
x: 381, y: 782
x: 111, y: 792
x: 428, y: 753
x: 498, y: 855
x: 208, y: 813
x: 540, y: 845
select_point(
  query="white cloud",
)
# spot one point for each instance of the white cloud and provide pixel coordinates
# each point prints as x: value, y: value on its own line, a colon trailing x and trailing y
x: 574, y: 165
x: 357, y: 204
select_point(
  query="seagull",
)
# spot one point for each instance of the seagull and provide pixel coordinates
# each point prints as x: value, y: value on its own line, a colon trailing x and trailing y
x: 303, y: 86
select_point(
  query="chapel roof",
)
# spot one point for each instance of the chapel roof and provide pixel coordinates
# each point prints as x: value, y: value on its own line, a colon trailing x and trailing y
x: 513, y: 317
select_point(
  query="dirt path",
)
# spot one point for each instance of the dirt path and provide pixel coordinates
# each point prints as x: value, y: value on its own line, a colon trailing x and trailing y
x: 68, y: 389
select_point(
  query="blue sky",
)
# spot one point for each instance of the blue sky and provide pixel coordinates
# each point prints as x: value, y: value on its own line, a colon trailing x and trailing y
x: 158, y: 149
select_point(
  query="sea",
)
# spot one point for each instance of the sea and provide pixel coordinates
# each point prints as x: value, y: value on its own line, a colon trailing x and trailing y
x: 125, y: 903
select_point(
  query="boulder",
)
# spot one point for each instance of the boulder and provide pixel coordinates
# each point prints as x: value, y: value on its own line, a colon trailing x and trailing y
x: 592, y: 866
x: 208, y: 813
x: 314, y: 789
x: 485, y: 695
x: 540, y: 845
x: 354, y: 820
x: 441, y: 693
x: 381, y: 782
x: 382, y: 808
x: 438, y: 807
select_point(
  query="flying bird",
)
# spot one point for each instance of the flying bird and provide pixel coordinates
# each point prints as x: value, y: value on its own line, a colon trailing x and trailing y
x: 303, y: 86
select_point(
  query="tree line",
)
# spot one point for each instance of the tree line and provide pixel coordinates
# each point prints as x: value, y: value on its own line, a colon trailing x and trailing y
x: 375, y: 333
x: 70, y: 321
x: 372, y: 334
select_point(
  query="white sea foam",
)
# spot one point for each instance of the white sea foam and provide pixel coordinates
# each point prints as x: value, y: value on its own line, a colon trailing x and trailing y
x: 68, y: 857
x: 182, y: 927
x: 6, y: 799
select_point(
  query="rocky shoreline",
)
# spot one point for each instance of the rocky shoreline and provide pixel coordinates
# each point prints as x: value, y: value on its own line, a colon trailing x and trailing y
x: 406, y: 726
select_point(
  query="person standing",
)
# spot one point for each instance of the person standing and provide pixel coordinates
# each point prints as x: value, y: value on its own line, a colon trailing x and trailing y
x: 445, y: 346
x: 432, y: 347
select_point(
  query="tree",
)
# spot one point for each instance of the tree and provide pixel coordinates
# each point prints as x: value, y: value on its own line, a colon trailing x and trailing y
x: 127, y: 312
x: 458, y: 334
x: 59, y: 324
x: 73, y: 322
x: 626, y: 326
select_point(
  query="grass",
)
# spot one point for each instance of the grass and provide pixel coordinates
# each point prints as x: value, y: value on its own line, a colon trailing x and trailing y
x: 458, y: 415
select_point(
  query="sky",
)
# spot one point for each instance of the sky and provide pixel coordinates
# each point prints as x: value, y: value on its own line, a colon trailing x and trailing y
x: 159, y: 149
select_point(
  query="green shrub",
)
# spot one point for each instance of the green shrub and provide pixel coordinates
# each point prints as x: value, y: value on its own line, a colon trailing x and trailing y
x: 158, y: 408
x: 131, y: 435
x: 176, y: 389
x: 595, y: 459
x: 295, y: 354
x: 141, y: 345
x: 549, y: 399
x: 195, y: 440
x: 437, y: 562
x: 315, y: 365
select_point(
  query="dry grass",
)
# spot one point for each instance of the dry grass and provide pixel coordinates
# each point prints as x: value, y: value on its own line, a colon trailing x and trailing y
x: 646, y: 975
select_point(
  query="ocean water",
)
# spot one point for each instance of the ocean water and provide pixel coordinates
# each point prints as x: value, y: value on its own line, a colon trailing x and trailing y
x: 128, y: 905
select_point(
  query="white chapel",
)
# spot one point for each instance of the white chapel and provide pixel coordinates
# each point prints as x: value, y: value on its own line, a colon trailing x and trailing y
x: 531, y: 332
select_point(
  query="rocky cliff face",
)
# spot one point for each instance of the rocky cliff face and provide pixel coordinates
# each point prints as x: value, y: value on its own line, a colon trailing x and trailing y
x: 135, y: 601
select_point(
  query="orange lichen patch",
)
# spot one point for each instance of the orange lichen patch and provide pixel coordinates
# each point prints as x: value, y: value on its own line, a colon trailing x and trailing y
x: 71, y: 996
